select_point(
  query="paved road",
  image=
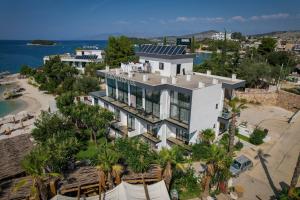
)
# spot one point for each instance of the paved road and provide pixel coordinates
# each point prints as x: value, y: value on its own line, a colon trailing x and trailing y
x: 282, y: 152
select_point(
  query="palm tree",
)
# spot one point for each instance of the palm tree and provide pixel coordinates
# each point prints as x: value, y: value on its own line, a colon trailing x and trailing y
x: 218, y: 164
x: 170, y: 159
x: 295, y: 177
x: 34, y: 164
x: 208, y: 136
x: 107, y: 165
x: 236, y: 108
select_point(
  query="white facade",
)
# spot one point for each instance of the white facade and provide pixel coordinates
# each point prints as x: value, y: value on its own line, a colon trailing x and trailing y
x: 221, y: 36
x: 161, y: 105
x: 81, y: 58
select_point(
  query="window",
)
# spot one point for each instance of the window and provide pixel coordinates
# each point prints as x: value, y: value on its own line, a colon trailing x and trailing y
x: 153, y: 130
x: 95, y: 101
x: 136, y: 97
x: 123, y: 92
x: 106, y: 105
x: 153, y: 103
x: 111, y: 85
x: 130, y: 122
x: 180, y: 107
x: 182, y: 135
x: 214, y: 126
x: 161, y: 66
x: 117, y: 115
x: 217, y: 106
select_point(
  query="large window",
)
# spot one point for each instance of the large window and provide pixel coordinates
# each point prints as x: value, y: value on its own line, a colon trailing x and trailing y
x: 182, y: 135
x: 153, y: 130
x: 117, y: 115
x: 152, y: 103
x: 130, y: 122
x: 180, y: 106
x: 123, y: 92
x: 111, y: 84
x: 136, y: 97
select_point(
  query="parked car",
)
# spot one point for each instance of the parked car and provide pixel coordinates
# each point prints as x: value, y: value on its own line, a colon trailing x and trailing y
x: 240, y: 164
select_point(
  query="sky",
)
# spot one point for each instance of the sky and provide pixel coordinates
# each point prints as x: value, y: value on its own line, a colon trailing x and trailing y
x: 96, y: 19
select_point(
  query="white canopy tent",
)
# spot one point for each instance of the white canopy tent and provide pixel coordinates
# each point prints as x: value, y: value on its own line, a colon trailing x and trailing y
x: 126, y: 191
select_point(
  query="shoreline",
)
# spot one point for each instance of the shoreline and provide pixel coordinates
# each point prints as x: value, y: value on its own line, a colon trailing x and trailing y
x: 32, y: 99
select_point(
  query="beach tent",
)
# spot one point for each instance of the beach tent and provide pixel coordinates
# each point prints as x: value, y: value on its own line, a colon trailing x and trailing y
x: 126, y: 191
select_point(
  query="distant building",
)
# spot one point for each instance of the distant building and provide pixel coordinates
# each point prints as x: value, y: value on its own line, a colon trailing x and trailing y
x: 162, y: 101
x: 283, y: 45
x: 184, y: 41
x: 296, y: 48
x: 82, y: 57
x: 221, y: 36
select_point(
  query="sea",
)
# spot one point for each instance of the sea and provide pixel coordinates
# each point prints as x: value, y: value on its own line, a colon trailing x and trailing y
x: 15, y: 53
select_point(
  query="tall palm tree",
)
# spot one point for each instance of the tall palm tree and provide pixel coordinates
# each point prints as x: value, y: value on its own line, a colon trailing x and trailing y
x: 235, y: 107
x: 107, y: 164
x: 295, y: 177
x: 170, y: 159
x: 34, y: 164
x: 208, y: 136
x: 218, y: 164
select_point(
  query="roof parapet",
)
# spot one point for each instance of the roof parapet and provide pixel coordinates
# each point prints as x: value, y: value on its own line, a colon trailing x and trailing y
x: 233, y: 77
x: 201, y: 84
x: 188, y: 77
x: 215, y: 81
x: 145, y: 77
x: 174, y: 80
x: 164, y: 81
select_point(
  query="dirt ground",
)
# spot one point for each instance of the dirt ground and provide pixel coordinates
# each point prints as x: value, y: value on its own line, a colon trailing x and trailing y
x: 275, y: 170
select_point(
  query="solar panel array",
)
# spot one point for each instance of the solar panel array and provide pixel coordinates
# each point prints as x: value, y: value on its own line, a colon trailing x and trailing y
x: 162, y: 49
x: 90, y: 57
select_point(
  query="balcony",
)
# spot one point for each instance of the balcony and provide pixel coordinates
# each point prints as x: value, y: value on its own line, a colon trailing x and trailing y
x: 175, y: 141
x: 118, y: 127
x: 151, y: 137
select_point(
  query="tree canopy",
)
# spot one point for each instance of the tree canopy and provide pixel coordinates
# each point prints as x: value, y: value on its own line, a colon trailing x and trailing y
x: 119, y: 49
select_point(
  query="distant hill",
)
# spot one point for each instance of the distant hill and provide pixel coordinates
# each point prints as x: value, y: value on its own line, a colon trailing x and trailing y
x: 285, y: 35
x: 198, y: 36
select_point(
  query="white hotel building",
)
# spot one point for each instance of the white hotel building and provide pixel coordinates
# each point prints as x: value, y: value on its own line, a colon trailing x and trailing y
x: 82, y: 57
x: 161, y: 100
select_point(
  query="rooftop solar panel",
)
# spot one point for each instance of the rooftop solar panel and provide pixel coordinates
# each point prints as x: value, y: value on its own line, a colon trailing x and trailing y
x: 143, y: 47
x: 152, y: 48
x: 166, y: 50
x: 147, y: 48
x: 162, y: 49
x: 181, y: 50
x: 171, y: 50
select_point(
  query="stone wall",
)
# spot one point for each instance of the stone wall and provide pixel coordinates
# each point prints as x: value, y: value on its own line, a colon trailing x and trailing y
x: 288, y: 100
x: 258, y: 96
x: 282, y: 98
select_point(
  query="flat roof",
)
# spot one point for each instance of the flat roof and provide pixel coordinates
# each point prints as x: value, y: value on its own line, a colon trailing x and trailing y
x: 155, y: 79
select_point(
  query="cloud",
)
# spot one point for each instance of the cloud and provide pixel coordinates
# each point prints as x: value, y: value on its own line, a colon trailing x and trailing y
x: 200, y: 19
x: 185, y: 19
x: 238, y: 18
x: 270, y: 17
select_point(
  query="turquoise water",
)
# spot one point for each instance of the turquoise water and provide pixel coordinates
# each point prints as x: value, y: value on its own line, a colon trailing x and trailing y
x: 9, y: 106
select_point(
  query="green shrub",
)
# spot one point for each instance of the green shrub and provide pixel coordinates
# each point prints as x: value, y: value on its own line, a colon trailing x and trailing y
x: 186, y: 183
x: 238, y: 146
x: 257, y: 136
x: 200, y: 151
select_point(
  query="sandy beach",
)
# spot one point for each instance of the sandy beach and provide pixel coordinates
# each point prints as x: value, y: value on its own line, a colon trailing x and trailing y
x: 33, y: 99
